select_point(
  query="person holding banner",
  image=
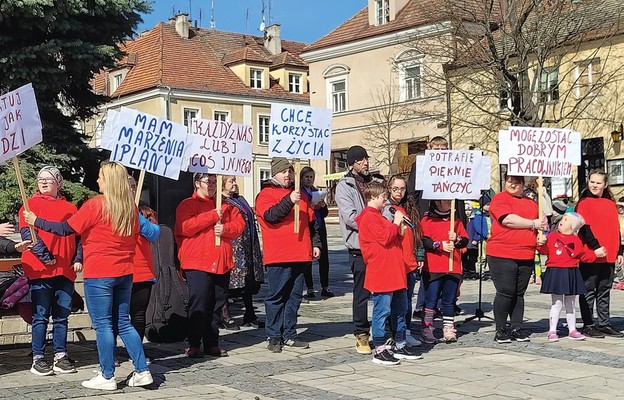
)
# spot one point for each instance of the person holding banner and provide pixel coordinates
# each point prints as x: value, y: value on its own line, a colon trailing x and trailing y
x: 441, y: 279
x: 206, y: 266
x: 601, y: 234
x: 51, y: 269
x: 286, y: 254
x: 108, y: 225
x: 510, y: 255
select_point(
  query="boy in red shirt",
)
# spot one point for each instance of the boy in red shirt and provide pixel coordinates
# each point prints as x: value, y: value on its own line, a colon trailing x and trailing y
x: 380, y: 242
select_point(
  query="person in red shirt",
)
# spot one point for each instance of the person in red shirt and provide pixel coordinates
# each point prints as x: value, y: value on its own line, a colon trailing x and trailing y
x: 601, y: 234
x: 286, y: 254
x: 51, y: 268
x: 440, y: 281
x: 562, y: 279
x: 108, y: 226
x: 386, y: 272
x: 510, y: 255
x: 206, y: 266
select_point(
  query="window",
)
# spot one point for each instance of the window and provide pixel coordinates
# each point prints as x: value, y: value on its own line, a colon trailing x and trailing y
x: 256, y: 78
x: 410, y: 81
x: 264, y: 174
x: 382, y: 8
x: 339, y: 95
x: 221, y: 116
x: 549, y: 85
x: 588, y: 74
x: 504, y: 99
x: 116, y: 82
x: 339, y: 161
x: 189, y: 115
x: 263, y: 129
x: 294, y: 83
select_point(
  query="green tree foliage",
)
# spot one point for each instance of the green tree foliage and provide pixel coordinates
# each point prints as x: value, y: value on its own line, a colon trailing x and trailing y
x: 58, y: 46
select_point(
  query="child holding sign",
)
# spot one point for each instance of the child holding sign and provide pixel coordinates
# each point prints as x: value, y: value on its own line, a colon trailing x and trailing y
x: 440, y: 243
x: 562, y: 278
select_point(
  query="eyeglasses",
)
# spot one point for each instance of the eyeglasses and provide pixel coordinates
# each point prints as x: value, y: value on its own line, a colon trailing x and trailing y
x: 397, y: 189
x: 209, y: 183
x: 46, y: 180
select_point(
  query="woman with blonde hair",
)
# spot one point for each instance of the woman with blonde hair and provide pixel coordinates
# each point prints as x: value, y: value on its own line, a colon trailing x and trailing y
x: 109, y: 228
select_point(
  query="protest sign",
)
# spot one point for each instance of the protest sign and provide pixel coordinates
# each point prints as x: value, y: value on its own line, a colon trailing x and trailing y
x: 146, y: 142
x: 221, y: 147
x: 561, y: 187
x: 300, y: 132
x: 530, y: 151
x: 452, y: 174
x: 20, y: 124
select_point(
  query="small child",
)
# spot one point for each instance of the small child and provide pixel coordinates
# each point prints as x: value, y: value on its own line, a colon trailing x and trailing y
x: 562, y: 279
x: 441, y: 243
x: 380, y: 242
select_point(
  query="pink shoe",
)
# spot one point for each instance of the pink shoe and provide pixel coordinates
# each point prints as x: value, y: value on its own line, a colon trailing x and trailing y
x: 538, y: 280
x: 619, y: 286
x: 553, y: 337
x: 576, y: 335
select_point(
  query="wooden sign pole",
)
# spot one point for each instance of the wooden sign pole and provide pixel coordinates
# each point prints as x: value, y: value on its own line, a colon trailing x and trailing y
x: 219, y: 203
x: 139, y: 189
x: 20, y: 182
x: 452, y: 229
x: 540, y: 204
x: 297, y: 189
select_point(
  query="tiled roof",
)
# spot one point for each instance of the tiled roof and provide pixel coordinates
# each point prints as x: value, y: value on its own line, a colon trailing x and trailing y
x: 164, y: 59
x: 244, y: 54
x: 415, y: 13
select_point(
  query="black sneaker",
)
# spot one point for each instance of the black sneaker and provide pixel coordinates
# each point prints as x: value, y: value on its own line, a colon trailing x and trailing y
x: 385, y: 358
x: 64, y: 365
x: 418, y: 314
x: 592, y: 332
x: 407, y: 353
x: 41, y: 368
x: 229, y: 325
x: 309, y: 294
x: 502, y: 336
x: 326, y: 292
x: 296, y: 342
x: 275, y: 345
x: 519, y: 336
x: 609, y: 331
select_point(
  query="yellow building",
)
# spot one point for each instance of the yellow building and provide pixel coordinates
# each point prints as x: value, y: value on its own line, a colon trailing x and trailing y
x: 179, y: 72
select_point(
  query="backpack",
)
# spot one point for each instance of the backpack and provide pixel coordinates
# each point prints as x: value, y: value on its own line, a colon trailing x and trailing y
x: 166, y: 315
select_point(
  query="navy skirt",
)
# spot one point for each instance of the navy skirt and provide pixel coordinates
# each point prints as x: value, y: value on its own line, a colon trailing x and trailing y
x: 562, y: 281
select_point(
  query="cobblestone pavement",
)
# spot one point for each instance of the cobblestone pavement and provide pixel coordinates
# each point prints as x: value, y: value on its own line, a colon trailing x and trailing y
x: 475, y: 367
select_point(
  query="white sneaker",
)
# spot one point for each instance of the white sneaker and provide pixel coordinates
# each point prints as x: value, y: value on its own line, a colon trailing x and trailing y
x: 99, y: 382
x: 140, y: 379
x: 411, y: 340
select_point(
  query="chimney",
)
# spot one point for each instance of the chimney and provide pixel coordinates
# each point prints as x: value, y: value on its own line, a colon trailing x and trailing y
x: 272, y: 39
x: 182, y: 25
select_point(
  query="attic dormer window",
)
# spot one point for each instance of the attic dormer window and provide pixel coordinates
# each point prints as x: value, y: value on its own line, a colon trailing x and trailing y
x: 116, y: 81
x: 255, y: 76
x: 382, y: 9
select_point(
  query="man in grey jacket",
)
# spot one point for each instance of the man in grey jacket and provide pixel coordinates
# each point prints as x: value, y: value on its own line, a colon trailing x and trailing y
x: 350, y: 201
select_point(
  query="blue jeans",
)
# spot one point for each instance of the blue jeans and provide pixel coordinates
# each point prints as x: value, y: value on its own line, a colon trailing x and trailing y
x: 411, y: 283
x: 284, y: 298
x: 393, y: 304
x: 108, y: 301
x: 50, y: 297
x: 446, y: 285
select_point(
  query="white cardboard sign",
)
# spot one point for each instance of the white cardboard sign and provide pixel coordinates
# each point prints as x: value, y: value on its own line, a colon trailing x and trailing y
x: 20, y: 124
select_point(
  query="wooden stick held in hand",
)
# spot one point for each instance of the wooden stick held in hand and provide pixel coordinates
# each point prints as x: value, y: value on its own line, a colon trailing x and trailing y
x: 20, y: 182
x: 297, y: 188
x: 219, y: 203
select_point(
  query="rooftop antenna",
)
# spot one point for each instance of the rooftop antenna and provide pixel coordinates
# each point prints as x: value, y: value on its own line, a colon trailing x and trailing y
x: 262, y: 26
x: 270, y: 9
x: 190, y: 10
x: 200, y: 17
x: 213, y: 25
x: 173, y: 13
x: 247, y: 21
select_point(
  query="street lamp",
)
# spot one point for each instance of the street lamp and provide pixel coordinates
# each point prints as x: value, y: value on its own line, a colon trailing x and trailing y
x: 617, y: 136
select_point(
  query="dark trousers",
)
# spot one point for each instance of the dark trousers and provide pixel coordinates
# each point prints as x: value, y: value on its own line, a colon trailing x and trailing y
x: 469, y: 260
x: 141, y: 292
x: 207, y: 295
x: 360, y: 295
x: 411, y: 284
x: 598, y: 279
x: 283, y: 299
x: 323, y: 263
x: 511, y: 279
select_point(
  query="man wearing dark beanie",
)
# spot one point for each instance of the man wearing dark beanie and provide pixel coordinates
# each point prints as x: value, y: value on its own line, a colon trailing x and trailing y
x: 350, y: 201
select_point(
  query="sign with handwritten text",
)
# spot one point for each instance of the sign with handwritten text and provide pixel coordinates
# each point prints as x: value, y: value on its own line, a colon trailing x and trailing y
x: 146, y: 142
x: 452, y: 174
x: 530, y: 151
x: 300, y: 132
x: 221, y: 147
x: 20, y: 124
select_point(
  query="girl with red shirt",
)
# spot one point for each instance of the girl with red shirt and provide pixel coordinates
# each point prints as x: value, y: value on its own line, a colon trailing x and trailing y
x: 108, y: 225
x: 510, y: 254
x: 562, y: 279
x: 601, y: 234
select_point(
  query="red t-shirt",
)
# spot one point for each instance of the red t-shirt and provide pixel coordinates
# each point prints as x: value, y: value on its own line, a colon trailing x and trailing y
x: 437, y: 229
x: 602, y: 217
x: 63, y: 248
x: 380, y: 243
x: 143, y: 261
x: 280, y: 243
x: 518, y: 244
x: 565, y: 251
x: 106, y: 254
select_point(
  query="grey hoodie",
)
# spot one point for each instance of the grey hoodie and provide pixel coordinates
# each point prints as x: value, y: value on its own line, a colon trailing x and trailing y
x: 350, y: 204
